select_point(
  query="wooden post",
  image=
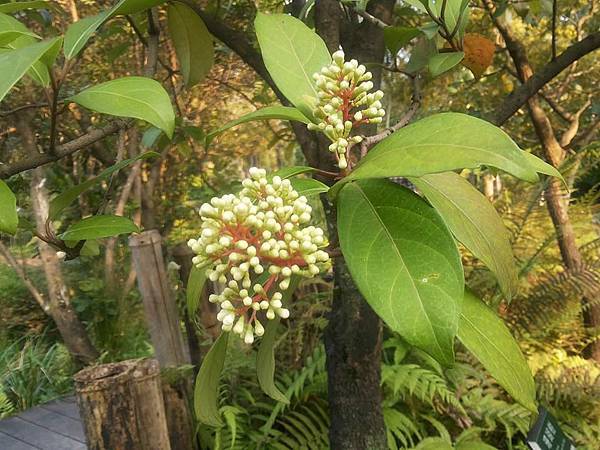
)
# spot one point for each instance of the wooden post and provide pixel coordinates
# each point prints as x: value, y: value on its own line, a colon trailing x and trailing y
x: 162, y: 318
x: 121, y: 405
x: 159, y: 304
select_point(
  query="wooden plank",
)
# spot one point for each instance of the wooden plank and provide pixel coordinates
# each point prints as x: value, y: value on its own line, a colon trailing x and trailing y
x: 38, y: 436
x: 9, y: 443
x: 67, y: 407
x: 56, y: 422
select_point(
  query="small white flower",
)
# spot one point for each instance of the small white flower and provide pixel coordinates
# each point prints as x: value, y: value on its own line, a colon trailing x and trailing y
x: 261, y: 230
x: 344, y: 103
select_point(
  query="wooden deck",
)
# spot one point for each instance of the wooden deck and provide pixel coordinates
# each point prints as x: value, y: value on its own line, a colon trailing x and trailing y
x: 53, y: 426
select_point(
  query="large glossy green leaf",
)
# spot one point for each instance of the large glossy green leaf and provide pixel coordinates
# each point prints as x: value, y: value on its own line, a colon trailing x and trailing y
x: 404, y: 261
x: 8, y: 210
x: 138, y: 97
x: 194, y: 287
x: 206, y: 391
x: 267, y: 113
x: 193, y: 43
x: 487, y: 337
x: 64, y: 199
x: 442, y: 62
x: 441, y: 143
x: 11, y: 29
x: 14, y: 64
x: 96, y: 227
x: 292, y: 53
x: 474, y: 222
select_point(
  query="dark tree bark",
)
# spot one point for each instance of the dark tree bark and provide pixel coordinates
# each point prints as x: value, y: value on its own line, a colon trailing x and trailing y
x: 354, y: 333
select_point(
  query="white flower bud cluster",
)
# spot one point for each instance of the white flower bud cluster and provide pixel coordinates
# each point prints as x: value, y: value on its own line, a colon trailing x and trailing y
x: 344, y: 102
x: 253, y: 242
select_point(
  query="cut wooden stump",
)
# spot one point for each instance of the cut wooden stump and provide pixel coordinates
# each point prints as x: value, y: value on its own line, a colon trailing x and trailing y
x: 122, y: 407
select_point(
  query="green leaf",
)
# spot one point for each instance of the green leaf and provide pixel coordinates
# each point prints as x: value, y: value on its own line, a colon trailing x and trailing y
x: 80, y: 32
x: 61, y: 201
x: 193, y: 43
x: 474, y: 445
x: 19, y: 6
x: 292, y: 171
x: 206, y: 390
x: 14, y: 64
x: 138, y: 97
x: 194, y: 288
x: 265, y: 363
x: 452, y: 14
x: 543, y: 167
x: 420, y: 54
x: 442, y: 62
x: 9, y: 218
x: 265, y: 358
x: 101, y: 226
x: 90, y: 248
x: 308, y: 186
x: 11, y: 29
x: 487, y: 337
x: 434, y: 443
x: 441, y: 143
x: 397, y: 37
x: 134, y: 6
x: 474, y: 222
x: 267, y: 113
x: 38, y: 71
x: 430, y: 30
x: 384, y: 225
x: 292, y: 53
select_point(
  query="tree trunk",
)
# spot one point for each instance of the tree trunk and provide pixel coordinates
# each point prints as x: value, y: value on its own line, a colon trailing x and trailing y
x: 121, y: 405
x: 57, y: 305
x: 353, y: 335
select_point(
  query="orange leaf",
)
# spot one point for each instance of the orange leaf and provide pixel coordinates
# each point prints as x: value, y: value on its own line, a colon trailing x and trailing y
x: 479, y: 53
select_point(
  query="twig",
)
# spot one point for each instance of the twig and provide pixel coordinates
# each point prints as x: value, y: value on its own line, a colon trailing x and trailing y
x: 370, y: 141
x: 23, y: 108
x: 97, y: 134
x: 371, y: 18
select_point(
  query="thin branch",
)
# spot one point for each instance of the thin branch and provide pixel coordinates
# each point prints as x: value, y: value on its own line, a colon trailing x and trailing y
x: 556, y: 107
x: 519, y: 96
x: 370, y: 141
x: 371, y: 18
x: 95, y: 135
x: 22, y: 108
